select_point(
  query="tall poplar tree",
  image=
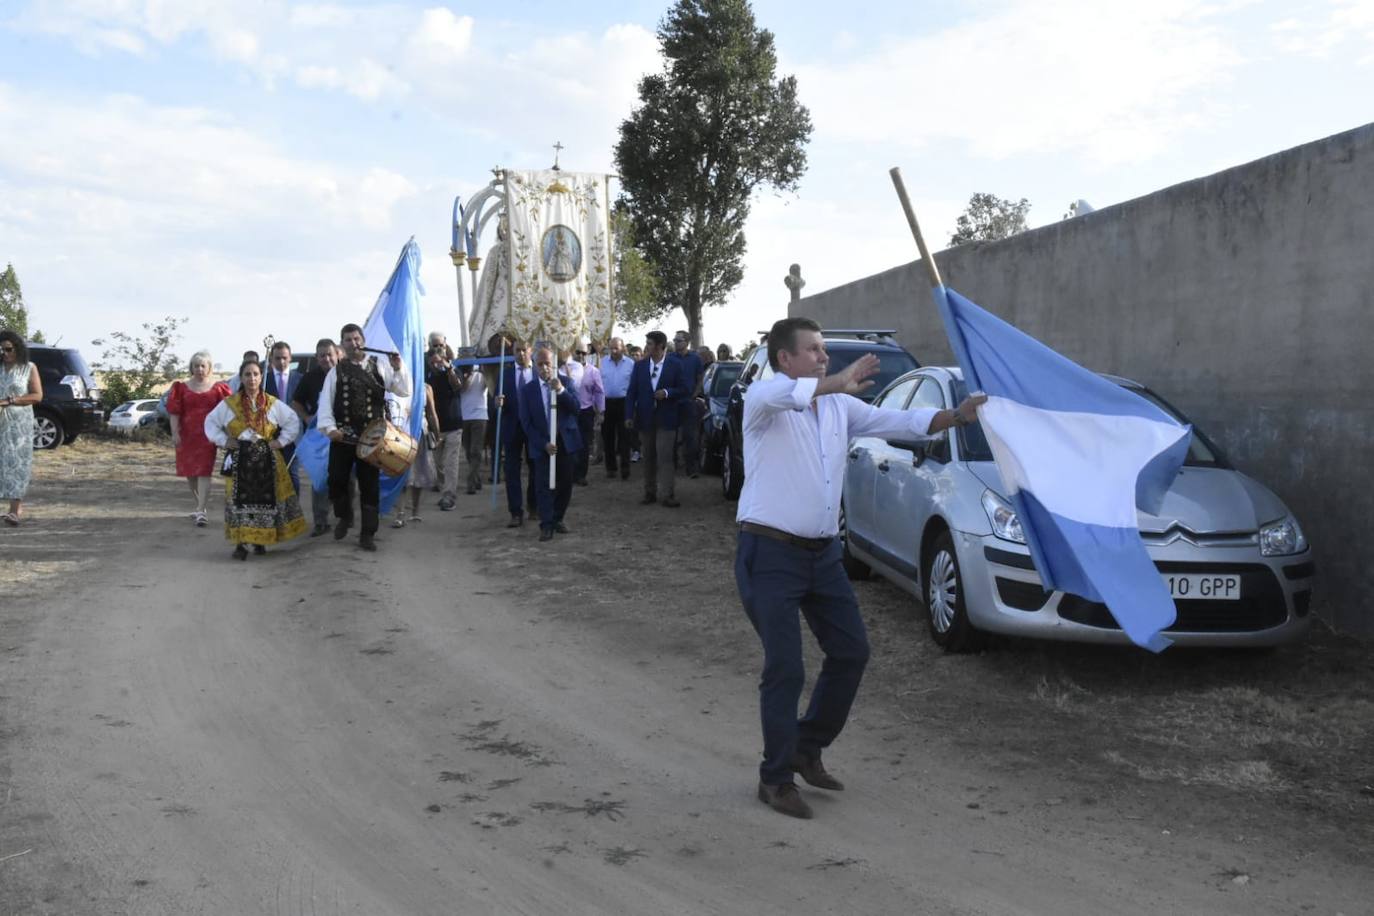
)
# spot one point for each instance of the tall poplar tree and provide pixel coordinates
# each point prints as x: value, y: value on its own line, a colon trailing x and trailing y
x: 711, y: 128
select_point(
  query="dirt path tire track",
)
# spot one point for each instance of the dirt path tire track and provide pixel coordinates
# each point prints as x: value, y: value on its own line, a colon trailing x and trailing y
x: 339, y: 733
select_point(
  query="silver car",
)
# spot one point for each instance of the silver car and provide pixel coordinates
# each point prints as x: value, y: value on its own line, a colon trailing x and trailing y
x: 933, y: 518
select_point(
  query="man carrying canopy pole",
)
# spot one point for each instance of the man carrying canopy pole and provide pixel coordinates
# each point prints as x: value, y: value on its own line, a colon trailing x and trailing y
x: 1079, y: 454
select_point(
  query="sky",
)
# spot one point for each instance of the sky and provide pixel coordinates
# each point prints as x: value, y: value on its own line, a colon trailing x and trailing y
x: 255, y: 166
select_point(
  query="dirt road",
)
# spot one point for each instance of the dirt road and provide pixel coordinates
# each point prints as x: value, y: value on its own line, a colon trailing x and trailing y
x: 469, y: 722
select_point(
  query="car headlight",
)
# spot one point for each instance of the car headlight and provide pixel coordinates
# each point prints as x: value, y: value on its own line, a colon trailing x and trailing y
x: 1005, y: 523
x: 1282, y: 538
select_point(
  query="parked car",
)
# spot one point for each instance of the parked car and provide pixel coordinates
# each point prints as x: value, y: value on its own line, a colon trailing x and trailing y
x: 71, y: 400
x: 844, y: 346
x: 934, y: 519
x: 132, y: 414
x: 715, y: 389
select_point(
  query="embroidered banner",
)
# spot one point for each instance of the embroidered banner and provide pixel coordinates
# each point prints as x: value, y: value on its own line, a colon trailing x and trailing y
x: 560, y: 257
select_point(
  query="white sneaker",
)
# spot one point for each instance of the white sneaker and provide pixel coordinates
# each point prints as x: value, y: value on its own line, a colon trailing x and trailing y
x: 199, y: 519
x: 634, y: 456
x: 399, y: 523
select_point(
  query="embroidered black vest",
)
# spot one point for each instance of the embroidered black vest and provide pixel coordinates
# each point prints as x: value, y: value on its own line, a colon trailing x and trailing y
x: 359, y: 396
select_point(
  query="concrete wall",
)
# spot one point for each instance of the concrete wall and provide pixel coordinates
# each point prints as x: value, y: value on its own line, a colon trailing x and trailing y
x: 1246, y: 298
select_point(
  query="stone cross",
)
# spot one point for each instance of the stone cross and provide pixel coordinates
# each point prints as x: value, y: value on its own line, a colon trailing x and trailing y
x: 794, y: 282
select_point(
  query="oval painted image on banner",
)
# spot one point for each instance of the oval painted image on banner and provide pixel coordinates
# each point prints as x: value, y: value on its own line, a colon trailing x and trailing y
x: 561, y: 253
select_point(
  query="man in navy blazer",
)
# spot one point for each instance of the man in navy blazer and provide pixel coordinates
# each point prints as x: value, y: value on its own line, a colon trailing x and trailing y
x: 544, y: 447
x: 277, y: 372
x: 657, y: 386
x: 513, y: 443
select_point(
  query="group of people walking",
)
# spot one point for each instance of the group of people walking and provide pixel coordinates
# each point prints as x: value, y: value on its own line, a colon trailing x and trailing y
x: 647, y: 406
x: 788, y: 562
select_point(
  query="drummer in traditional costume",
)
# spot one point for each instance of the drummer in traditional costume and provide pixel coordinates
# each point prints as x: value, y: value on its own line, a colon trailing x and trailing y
x: 354, y: 397
x: 260, y: 505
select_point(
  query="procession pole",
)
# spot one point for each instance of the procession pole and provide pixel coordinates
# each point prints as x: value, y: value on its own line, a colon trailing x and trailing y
x: 455, y: 254
x: 553, y: 428
x: 931, y: 269
x: 501, y: 398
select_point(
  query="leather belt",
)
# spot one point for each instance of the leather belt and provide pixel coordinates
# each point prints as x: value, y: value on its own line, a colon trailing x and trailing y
x: 795, y: 540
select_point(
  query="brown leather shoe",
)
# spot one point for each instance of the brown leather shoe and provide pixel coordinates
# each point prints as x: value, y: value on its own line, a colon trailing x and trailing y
x: 785, y: 799
x: 813, y: 771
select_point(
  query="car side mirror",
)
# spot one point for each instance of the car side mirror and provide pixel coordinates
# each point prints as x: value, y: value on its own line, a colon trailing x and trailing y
x: 904, y: 445
x: 918, y: 456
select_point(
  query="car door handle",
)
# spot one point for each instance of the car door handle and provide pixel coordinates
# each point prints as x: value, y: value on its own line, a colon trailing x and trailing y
x: 884, y: 466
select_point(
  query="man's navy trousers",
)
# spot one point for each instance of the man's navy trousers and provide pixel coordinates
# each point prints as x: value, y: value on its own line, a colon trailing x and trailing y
x: 779, y: 583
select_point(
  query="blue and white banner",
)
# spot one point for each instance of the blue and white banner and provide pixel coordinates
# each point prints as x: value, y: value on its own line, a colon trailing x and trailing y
x: 395, y: 324
x: 1078, y: 455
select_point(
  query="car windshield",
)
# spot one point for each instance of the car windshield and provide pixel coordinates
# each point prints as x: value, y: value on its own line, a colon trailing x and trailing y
x: 125, y: 406
x: 722, y: 379
x: 973, y: 445
x: 891, y: 364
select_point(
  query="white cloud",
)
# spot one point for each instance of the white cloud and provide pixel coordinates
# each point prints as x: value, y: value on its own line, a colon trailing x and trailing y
x: 1113, y: 81
x: 441, y: 32
x: 1321, y: 33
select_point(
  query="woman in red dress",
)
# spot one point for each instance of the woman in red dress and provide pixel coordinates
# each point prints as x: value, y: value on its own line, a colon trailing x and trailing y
x: 188, y: 403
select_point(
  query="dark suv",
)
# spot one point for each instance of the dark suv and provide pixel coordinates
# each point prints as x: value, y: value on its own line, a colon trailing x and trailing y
x: 844, y: 345
x: 71, y: 400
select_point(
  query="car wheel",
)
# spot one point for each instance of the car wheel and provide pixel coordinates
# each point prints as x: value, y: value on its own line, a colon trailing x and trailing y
x: 731, y: 472
x: 854, y: 567
x: 47, y: 430
x: 944, y: 590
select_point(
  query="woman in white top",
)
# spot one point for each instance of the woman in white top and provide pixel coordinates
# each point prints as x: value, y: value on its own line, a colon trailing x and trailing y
x: 260, y: 505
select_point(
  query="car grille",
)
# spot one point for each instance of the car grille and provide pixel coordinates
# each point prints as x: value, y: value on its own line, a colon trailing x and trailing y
x: 1261, y: 608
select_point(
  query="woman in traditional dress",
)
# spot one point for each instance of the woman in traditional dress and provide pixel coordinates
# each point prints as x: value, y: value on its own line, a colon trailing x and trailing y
x: 188, y: 404
x: 260, y: 505
x: 20, y: 389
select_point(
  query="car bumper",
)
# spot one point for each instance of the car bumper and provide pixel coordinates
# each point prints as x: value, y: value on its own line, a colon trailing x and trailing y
x: 1003, y: 594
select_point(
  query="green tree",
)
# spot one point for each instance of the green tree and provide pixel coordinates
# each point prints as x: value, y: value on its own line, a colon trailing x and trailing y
x: 13, y: 315
x: 636, y: 279
x: 710, y: 129
x: 132, y: 366
x: 989, y: 218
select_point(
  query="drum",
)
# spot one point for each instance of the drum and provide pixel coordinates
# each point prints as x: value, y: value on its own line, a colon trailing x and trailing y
x: 387, y: 447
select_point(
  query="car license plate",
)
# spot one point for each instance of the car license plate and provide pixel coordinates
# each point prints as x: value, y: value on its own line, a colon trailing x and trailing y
x: 1203, y: 587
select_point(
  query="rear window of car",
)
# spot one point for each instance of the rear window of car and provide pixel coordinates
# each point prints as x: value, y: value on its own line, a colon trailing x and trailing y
x: 722, y: 379
x: 125, y: 406
x: 891, y: 364
x: 147, y: 405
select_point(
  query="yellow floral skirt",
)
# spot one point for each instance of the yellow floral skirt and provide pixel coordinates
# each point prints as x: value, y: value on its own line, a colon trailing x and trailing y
x: 260, y: 505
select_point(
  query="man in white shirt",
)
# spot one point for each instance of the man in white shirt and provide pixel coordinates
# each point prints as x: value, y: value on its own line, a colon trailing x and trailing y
x: 797, y: 428
x: 353, y: 397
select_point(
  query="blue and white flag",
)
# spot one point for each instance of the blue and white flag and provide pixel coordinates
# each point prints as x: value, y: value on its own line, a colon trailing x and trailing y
x: 1078, y: 454
x: 395, y: 324
x: 312, y: 453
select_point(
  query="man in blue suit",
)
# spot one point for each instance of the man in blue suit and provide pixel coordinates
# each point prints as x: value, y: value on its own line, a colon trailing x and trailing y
x: 513, y: 442
x: 281, y: 381
x: 544, y: 447
x: 657, y: 386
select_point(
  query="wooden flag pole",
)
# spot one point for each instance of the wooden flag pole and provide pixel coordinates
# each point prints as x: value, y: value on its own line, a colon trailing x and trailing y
x: 926, y: 258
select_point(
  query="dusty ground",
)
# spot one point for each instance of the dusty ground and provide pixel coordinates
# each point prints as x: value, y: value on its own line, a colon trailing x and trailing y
x: 469, y: 722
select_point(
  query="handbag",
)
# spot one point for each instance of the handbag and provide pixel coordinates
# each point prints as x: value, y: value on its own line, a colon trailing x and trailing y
x: 227, y: 468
